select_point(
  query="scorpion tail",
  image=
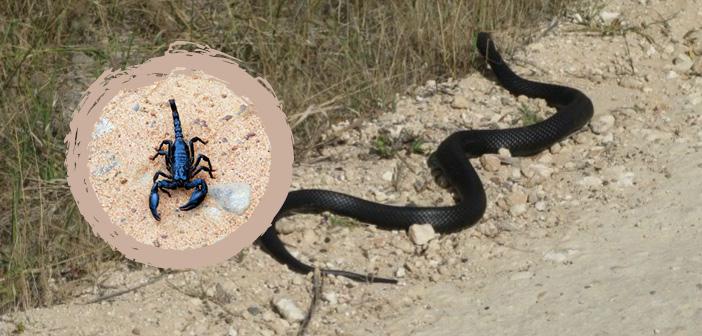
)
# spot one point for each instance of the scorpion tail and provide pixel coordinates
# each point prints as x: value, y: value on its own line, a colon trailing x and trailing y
x: 176, y: 120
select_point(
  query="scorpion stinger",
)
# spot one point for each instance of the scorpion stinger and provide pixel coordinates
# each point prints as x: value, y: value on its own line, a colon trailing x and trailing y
x: 182, y: 167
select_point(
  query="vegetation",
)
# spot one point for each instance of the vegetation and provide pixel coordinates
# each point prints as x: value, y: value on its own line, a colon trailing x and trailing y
x: 326, y: 59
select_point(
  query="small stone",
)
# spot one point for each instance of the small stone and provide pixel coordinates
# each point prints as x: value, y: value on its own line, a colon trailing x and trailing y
x: 284, y: 226
x: 232, y: 197
x: 330, y: 297
x: 309, y: 236
x: 693, y: 38
x: 540, y: 206
x: 242, y: 108
x: 671, y: 75
x: 103, y: 127
x: 135, y: 107
x: 490, y: 162
x: 288, y: 310
x: 516, y: 197
x: 136, y: 331
x: 555, y: 148
x: 554, y: 256
x: 697, y: 67
x: 232, y: 331
x: 682, y: 63
x: 387, y: 176
x: 420, y: 234
x: 106, y: 168
x: 459, y: 102
x: 602, y: 124
x: 401, y: 272
x: 504, y: 153
x: 631, y: 83
x: 537, y: 169
x: 517, y: 210
x: 609, y: 17
x: 590, y: 182
x: 522, y: 276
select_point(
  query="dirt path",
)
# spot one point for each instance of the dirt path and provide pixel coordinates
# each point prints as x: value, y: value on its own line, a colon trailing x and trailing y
x: 599, y: 236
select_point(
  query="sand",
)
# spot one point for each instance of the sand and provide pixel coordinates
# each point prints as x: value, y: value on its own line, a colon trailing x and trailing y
x: 136, y: 121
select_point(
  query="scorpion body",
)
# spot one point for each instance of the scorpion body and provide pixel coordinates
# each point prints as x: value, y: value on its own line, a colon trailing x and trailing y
x: 182, y: 167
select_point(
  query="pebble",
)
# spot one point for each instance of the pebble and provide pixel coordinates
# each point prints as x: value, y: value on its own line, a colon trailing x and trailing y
x: 522, y: 275
x: 517, y: 210
x: 106, y: 168
x: 682, y: 63
x: 459, y: 102
x: 536, y: 169
x: 693, y: 38
x: 387, y: 176
x: 609, y: 17
x: 490, y: 162
x: 590, y: 182
x: 330, y: 297
x: 631, y: 83
x: 232, y: 197
x: 232, y: 331
x: 401, y: 272
x: 103, y: 127
x: 554, y: 256
x: 516, y: 197
x: 540, y: 206
x: 288, y: 310
x: 421, y: 234
x: 602, y: 124
x: 136, y: 107
x: 697, y: 67
x: 504, y: 153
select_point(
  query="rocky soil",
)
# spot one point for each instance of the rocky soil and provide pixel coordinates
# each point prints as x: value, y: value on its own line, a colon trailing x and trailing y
x: 600, y: 235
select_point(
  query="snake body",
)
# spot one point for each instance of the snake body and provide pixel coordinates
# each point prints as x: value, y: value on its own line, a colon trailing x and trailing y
x: 573, y: 110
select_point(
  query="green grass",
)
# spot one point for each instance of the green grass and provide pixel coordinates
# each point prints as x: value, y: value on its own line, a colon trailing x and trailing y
x: 327, y: 60
x: 529, y: 116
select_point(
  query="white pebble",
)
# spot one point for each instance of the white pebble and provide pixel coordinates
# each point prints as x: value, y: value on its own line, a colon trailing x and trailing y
x: 602, y: 124
x: 387, y: 176
x: 288, y: 310
x: 103, y: 127
x: 421, y: 234
x: 590, y: 181
x: 233, y: 197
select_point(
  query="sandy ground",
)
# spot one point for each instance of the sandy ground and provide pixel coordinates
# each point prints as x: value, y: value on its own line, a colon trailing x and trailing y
x: 135, y: 122
x: 598, y: 236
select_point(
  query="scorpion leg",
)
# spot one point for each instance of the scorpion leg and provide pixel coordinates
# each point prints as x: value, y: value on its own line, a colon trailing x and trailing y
x: 165, y: 142
x: 197, y: 162
x: 201, y: 168
x: 192, y: 142
x: 160, y: 173
x: 198, y: 194
x: 160, y: 152
x: 153, y: 198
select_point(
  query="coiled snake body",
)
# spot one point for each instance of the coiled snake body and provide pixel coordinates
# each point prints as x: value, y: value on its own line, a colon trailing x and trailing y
x: 573, y: 110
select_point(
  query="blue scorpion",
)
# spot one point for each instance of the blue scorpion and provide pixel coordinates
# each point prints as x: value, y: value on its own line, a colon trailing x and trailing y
x: 179, y: 161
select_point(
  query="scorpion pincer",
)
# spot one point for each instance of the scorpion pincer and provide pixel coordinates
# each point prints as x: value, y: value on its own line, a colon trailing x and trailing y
x: 182, y: 168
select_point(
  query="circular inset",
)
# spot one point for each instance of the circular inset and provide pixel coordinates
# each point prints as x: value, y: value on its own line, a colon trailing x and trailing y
x: 217, y: 135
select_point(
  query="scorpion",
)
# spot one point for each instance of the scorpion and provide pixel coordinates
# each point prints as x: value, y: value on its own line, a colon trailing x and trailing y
x: 179, y: 162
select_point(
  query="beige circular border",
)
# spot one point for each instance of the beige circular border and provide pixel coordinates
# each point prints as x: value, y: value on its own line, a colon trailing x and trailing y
x: 224, y: 68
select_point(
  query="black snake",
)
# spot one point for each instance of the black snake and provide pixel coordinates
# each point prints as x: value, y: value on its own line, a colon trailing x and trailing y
x: 573, y: 110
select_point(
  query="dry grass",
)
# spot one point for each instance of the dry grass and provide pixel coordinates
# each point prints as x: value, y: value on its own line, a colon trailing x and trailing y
x: 325, y: 59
